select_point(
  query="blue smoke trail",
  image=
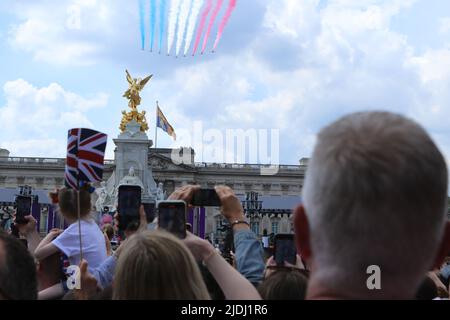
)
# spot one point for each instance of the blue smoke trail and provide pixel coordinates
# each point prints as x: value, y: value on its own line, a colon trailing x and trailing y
x: 162, y: 11
x: 152, y: 22
x: 142, y: 22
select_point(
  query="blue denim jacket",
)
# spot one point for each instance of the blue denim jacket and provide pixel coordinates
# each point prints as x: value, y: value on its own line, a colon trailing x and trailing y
x: 105, y: 272
x: 249, y: 256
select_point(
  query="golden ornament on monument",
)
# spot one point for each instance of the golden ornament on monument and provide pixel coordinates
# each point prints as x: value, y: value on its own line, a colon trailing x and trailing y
x: 134, y: 99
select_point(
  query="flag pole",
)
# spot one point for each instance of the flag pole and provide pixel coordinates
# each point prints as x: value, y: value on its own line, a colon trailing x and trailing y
x: 156, y: 126
x: 79, y: 222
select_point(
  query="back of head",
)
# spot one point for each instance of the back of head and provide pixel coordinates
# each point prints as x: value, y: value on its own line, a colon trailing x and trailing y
x: 17, y: 270
x: 284, y: 285
x: 68, y: 202
x: 109, y: 230
x: 156, y: 265
x: 375, y: 193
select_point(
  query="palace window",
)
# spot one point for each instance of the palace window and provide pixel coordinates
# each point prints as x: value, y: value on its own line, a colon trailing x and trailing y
x: 255, y: 227
x: 275, y: 227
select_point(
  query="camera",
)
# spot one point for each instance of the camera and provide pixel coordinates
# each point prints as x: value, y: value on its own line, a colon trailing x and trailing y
x: 23, y: 203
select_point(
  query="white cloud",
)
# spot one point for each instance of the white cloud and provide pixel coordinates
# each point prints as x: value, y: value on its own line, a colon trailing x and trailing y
x: 434, y: 65
x: 65, y: 33
x: 444, y: 25
x: 35, y: 120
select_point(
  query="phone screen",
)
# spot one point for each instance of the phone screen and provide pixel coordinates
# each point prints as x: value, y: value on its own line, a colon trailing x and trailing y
x: 128, y: 205
x: 285, y: 250
x: 23, y: 208
x: 172, y: 218
x: 206, y: 198
x: 149, y: 211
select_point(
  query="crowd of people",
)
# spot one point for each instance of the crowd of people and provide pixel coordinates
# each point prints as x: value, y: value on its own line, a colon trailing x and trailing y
x: 375, y: 194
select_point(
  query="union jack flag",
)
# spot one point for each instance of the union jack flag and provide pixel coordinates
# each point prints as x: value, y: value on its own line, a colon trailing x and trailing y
x: 85, y: 154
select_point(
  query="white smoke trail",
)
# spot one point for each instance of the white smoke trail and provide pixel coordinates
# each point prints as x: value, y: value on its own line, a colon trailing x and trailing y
x: 195, y: 11
x: 173, y: 20
x: 182, y: 21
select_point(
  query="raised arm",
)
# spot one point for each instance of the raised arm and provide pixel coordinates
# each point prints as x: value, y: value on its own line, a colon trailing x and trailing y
x: 248, y: 249
x: 29, y: 231
x: 46, y: 247
x: 233, y: 284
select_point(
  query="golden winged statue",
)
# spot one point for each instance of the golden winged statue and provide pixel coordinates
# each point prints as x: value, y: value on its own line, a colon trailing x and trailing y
x: 134, y: 99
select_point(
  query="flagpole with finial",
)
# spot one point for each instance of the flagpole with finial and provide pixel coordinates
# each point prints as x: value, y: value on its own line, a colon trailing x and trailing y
x: 156, y: 125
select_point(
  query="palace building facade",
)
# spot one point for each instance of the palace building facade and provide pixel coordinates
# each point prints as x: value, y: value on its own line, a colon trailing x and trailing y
x: 276, y: 194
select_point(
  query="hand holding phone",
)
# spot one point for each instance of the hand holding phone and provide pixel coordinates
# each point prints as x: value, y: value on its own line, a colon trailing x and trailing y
x: 206, y: 198
x: 172, y: 217
x: 284, y: 249
x: 128, y: 205
x: 23, y: 208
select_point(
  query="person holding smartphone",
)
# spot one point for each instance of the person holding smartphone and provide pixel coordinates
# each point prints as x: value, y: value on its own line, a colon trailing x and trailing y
x: 249, y: 256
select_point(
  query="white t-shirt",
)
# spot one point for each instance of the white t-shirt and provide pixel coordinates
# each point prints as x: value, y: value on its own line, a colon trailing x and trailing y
x: 265, y: 241
x: 92, y: 239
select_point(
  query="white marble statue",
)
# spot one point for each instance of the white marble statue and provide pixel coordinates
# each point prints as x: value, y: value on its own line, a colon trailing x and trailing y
x: 130, y: 179
x: 103, y: 197
x: 160, y: 193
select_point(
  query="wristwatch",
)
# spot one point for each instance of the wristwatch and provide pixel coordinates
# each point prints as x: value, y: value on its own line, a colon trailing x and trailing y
x: 235, y: 222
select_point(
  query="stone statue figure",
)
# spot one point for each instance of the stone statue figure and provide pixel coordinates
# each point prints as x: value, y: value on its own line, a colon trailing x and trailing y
x: 160, y: 193
x: 130, y: 179
x: 103, y: 196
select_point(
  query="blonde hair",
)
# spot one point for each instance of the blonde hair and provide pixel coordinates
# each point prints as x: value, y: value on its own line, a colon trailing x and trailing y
x: 156, y: 265
x: 68, y: 203
x: 109, y: 230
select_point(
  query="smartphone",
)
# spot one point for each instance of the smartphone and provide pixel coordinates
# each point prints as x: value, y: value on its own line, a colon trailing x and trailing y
x: 206, y: 198
x: 23, y: 208
x: 149, y: 211
x: 128, y: 205
x: 172, y: 217
x: 284, y: 249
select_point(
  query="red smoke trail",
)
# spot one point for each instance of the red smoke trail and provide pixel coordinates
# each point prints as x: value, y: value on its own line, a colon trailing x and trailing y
x: 211, y: 22
x: 204, y: 15
x: 224, y: 21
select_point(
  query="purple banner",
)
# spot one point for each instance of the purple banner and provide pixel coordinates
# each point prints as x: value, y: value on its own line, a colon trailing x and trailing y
x: 36, y: 212
x: 202, y: 223
x: 50, y: 216
x: 197, y: 218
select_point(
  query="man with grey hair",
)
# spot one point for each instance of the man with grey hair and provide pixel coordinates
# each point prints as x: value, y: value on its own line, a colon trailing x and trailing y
x: 373, y: 217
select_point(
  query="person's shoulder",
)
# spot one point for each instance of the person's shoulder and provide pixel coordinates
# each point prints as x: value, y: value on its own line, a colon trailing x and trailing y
x: 90, y: 223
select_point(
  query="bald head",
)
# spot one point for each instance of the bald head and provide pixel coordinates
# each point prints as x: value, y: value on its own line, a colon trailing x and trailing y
x: 375, y: 193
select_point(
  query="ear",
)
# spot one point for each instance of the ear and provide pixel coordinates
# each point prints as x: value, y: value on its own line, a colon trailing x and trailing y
x: 444, y: 248
x: 302, y: 235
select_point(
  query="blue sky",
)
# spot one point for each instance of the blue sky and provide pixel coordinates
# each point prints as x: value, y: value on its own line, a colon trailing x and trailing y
x: 290, y: 65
